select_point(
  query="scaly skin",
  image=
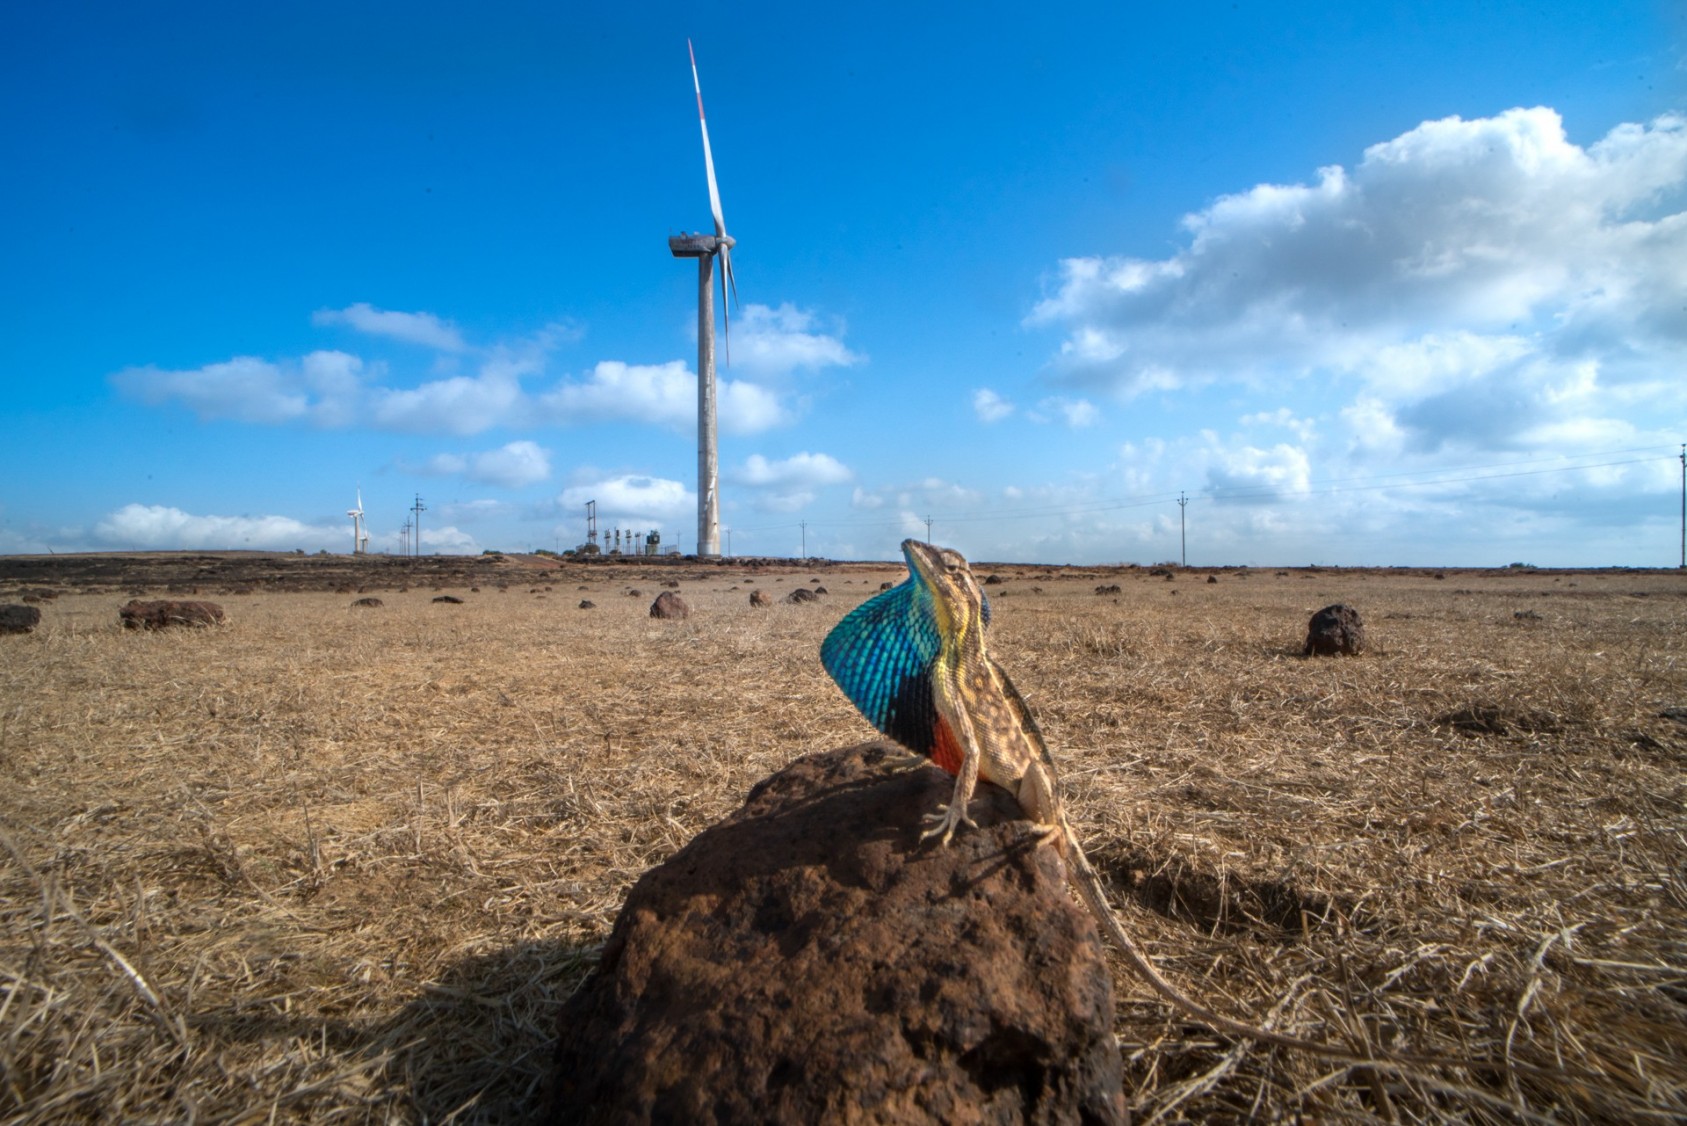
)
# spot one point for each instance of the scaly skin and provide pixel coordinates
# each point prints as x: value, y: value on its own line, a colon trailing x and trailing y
x: 992, y: 729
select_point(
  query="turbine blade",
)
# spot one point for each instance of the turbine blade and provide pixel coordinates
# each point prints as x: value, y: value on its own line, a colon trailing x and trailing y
x: 708, y: 156
x: 725, y: 256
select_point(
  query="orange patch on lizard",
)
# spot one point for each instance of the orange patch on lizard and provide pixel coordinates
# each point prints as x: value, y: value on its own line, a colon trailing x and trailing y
x: 946, y: 749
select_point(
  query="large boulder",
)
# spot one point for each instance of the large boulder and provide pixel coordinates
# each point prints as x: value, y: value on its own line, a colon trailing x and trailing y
x: 137, y: 614
x: 671, y: 606
x: 1335, y: 630
x: 18, y: 619
x: 800, y: 595
x: 810, y: 960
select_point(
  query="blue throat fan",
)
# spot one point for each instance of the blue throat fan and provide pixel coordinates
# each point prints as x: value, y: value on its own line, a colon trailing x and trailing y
x: 881, y: 655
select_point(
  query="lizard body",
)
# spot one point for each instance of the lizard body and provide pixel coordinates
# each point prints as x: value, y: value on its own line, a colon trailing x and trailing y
x: 914, y: 660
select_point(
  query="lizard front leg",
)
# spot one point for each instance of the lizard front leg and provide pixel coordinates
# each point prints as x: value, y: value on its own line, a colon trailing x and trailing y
x: 954, y: 815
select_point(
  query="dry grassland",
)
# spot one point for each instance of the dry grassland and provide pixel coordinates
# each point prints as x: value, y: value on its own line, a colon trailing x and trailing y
x: 334, y: 865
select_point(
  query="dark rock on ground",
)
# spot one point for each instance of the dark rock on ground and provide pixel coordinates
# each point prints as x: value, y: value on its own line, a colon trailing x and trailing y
x: 671, y: 606
x: 451, y: 598
x: 758, y: 598
x: 587, y: 604
x: 1335, y: 629
x: 808, y: 960
x: 802, y: 594
x: 369, y: 602
x: 18, y: 619
x: 1109, y: 588
x: 136, y: 614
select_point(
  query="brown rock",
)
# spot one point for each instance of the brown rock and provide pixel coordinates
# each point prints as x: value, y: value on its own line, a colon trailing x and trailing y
x: 1335, y: 629
x: 587, y: 604
x: 671, y: 606
x: 18, y: 619
x: 802, y: 594
x: 156, y: 615
x: 758, y: 598
x: 808, y: 960
x: 370, y: 602
x: 451, y: 598
x: 1109, y: 588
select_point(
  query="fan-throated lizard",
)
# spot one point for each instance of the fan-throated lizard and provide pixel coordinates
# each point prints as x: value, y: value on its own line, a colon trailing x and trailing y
x: 914, y: 661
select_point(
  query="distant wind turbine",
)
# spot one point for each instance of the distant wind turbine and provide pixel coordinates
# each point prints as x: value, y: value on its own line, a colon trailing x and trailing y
x: 706, y: 249
x: 359, y: 533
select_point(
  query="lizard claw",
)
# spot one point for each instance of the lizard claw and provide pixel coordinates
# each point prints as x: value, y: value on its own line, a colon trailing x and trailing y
x: 944, y: 824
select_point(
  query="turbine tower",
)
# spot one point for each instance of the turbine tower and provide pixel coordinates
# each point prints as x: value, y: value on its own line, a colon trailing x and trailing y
x: 706, y: 249
x: 359, y: 532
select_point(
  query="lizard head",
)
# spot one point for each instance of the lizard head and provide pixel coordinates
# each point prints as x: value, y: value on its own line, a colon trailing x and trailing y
x: 956, y: 597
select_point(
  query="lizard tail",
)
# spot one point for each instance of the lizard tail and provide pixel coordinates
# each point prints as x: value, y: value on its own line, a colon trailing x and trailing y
x: 1090, y: 889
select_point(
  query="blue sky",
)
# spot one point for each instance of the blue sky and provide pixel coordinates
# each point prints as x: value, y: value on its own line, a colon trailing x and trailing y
x: 1368, y: 284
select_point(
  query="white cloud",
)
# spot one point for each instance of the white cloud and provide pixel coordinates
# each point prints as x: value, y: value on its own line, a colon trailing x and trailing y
x: 244, y: 389
x: 1253, y: 475
x: 155, y: 527
x: 1075, y: 413
x: 413, y: 328
x: 989, y: 406
x: 798, y: 469
x: 634, y: 498
x: 661, y: 395
x: 773, y: 342
x: 512, y: 466
x: 1465, y: 266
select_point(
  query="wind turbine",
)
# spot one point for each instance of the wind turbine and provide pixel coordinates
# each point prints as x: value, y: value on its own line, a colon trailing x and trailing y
x: 706, y: 249
x: 359, y: 534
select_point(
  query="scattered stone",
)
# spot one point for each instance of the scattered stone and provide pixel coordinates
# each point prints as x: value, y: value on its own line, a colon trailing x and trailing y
x: 818, y: 589
x: 1109, y: 588
x: 157, y: 615
x: 587, y: 604
x: 885, y: 586
x: 635, y: 592
x: 747, y: 978
x: 18, y: 619
x: 370, y: 602
x: 758, y: 598
x: 670, y: 606
x: 1526, y: 615
x: 1212, y: 578
x: 992, y: 580
x: 452, y: 598
x: 1335, y: 629
x: 802, y: 594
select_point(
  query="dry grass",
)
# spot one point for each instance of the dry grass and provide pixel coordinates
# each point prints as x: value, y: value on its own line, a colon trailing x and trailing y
x: 341, y: 866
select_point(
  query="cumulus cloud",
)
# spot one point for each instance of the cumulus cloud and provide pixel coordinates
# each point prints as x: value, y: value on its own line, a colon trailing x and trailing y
x: 1465, y: 266
x: 633, y: 498
x: 798, y: 469
x: 990, y: 406
x: 413, y: 328
x: 788, y: 485
x: 244, y: 389
x: 156, y: 527
x: 470, y: 390
x: 661, y: 395
x: 771, y: 342
x: 514, y: 465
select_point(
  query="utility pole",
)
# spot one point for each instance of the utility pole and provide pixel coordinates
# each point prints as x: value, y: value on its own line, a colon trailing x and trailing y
x: 804, y: 526
x: 928, y: 527
x: 1182, y: 525
x: 418, y: 508
x: 1684, y: 506
x: 407, y: 535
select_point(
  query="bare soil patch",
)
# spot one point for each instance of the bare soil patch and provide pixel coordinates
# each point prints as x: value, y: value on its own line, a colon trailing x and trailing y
x: 320, y: 863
